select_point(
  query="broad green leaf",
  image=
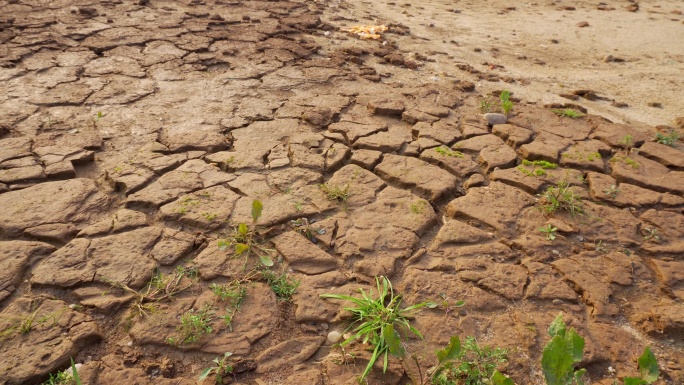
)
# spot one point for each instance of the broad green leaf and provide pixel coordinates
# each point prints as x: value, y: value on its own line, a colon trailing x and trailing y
x: 500, y: 379
x: 578, y: 376
x: 222, y: 245
x: 557, y: 327
x: 505, y: 95
x: 431, y: 305
x: 393, y: 340
x: 266, y: 260
x: 257, y: 208
x: 577, y: 343
x: 451, y: 352
x: 557, y: 361
x: 243, y: 229
x: 227, y: 354
x: 240, y: 248
x: 634, y: 381
x: 205, y: 373
x: 648, y: 366
x: 459, y: 303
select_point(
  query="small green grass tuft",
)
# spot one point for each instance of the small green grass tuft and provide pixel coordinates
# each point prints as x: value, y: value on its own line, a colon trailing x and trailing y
x: 561, y: 197
x: 446, y: 151
x: 549, y: 231
x: 336, y: 193
x: 472, y: 365
x: 220, y: 369
x: 670, y: 139
x: 568, y: 112
x: 282, y: 285
x: 193, y: 325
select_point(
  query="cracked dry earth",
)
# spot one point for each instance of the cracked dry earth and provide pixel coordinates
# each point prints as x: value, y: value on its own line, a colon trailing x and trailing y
x: 134, y: 135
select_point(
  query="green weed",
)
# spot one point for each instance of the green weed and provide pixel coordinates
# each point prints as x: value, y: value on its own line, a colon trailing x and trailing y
x: 378, y: 321
x: 569, y: 112
x: 561, y: 197
x: 245, y: 240
x: 336, y: 193
x: 282, y: 285
x: 669, y: 139
x: 418, y: 207
x: 193, y: 325
x: 648, y: 369
x: 627, y: 142
x: 446, y: 304
x: 473, y: 365
x: 650, y: 234
x: 220, y: 369
x: 446, y: 151
x: 627, y: 160
x: 560, y: 355
x: 485, y: 106
x: 60, y: 378
x: 26, y: 324
x: 550, y: 232
x: 506, y: 103
x: 612, y: 191
x: 541, y: 163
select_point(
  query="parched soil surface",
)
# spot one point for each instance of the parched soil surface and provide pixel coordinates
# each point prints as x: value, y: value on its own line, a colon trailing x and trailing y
x: 134, y: 135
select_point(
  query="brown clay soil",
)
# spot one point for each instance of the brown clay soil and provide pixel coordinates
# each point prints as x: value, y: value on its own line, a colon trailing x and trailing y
x: 136, y: 134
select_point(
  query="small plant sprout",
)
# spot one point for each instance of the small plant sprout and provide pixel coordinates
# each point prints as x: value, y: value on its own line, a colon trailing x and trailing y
x: 612, y: 191
x: 378, y: 321
x: 231, y: 294
x: 670, y: 139
x: 282, y: 285
x: 568, y: 112
x: 220, y: 369
x: 648, y: 369
x: 550, y: 232
x: 560, y: 355
x: 336, y: 193
x: 506, y: 103
x: 485, y: 106
x: 561, y: 197
x: 446, y: 151
x: 650, y: 234
x: 74, y: 373
x: 193, y: 325
x: 445, y: 304
x: 627, y: 142
x: 245, y: 239
x: 471, y: 365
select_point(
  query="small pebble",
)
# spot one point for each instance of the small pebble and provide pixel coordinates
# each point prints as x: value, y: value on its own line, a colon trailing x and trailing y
x: 609, y: 58
x: 129, y: 344
x: 557, y: 302
x: 334, y: 337
x: 555, y: 252
x: 494, y: 118
x: 583, y: 24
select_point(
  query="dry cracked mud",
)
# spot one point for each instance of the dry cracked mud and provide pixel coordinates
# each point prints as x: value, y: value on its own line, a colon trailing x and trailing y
x: 134, y: 135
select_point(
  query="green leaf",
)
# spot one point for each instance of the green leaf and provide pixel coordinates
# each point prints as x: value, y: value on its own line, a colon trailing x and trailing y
x: 557, y: 361
x: 557, y: 327
x: 576, y: 343
x: 578, y: 376
x: 451, y: 352
x: 266, y: 260
x: 222, y: 245
x: 648, y: 366
x: 431, y: 305
x: 242, y: 229
x: 240, y: 248
x: 393, y: 341
x: 257, y: 208
x: 74, y: 372
x: 205, y: 373
x: 500, y: 379
x: 505, y: 95
x: 459, y: 303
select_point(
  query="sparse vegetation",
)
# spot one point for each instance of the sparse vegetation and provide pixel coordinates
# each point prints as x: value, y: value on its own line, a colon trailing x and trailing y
x: 627, y: 142
x: 193, y: 325
x: 561, y: 197
x: 418, y: 207
x: 26, y: 324
x: 336, y: 193
x: 627, y: 160
x: 378, y: 321
x: 549, y: 231
x: 231, y: 294
x: 650, y: 234
x: 568, y: 112
x: 446, y: 151
x: 670, y: 139
x: 648, y: 369
x: 446, y: 304
x: 245, y: 239
x: 485, y: 106
x: 472, y: 365
x: 282, y: 285
x: 220, y: 369
x: 612, y: 191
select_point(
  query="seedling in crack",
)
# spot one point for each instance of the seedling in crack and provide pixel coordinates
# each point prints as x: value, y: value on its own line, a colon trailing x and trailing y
x: 160, y: 288
x: 560, y: 355
x: 378, y: 321
x: 193, y: 325
x: 506, y: 103
x: 468, y: 364
x: 669, y: 140
x: 281, y: 284
x: 650, y: 234
x: 612, y: 191
x: 336, y: 193
x: 561, y: 197
x: 627, y: 142
x: 549, y: 231
x: 220, y: 369
x: 568, y: 112
x: 245, y: 239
